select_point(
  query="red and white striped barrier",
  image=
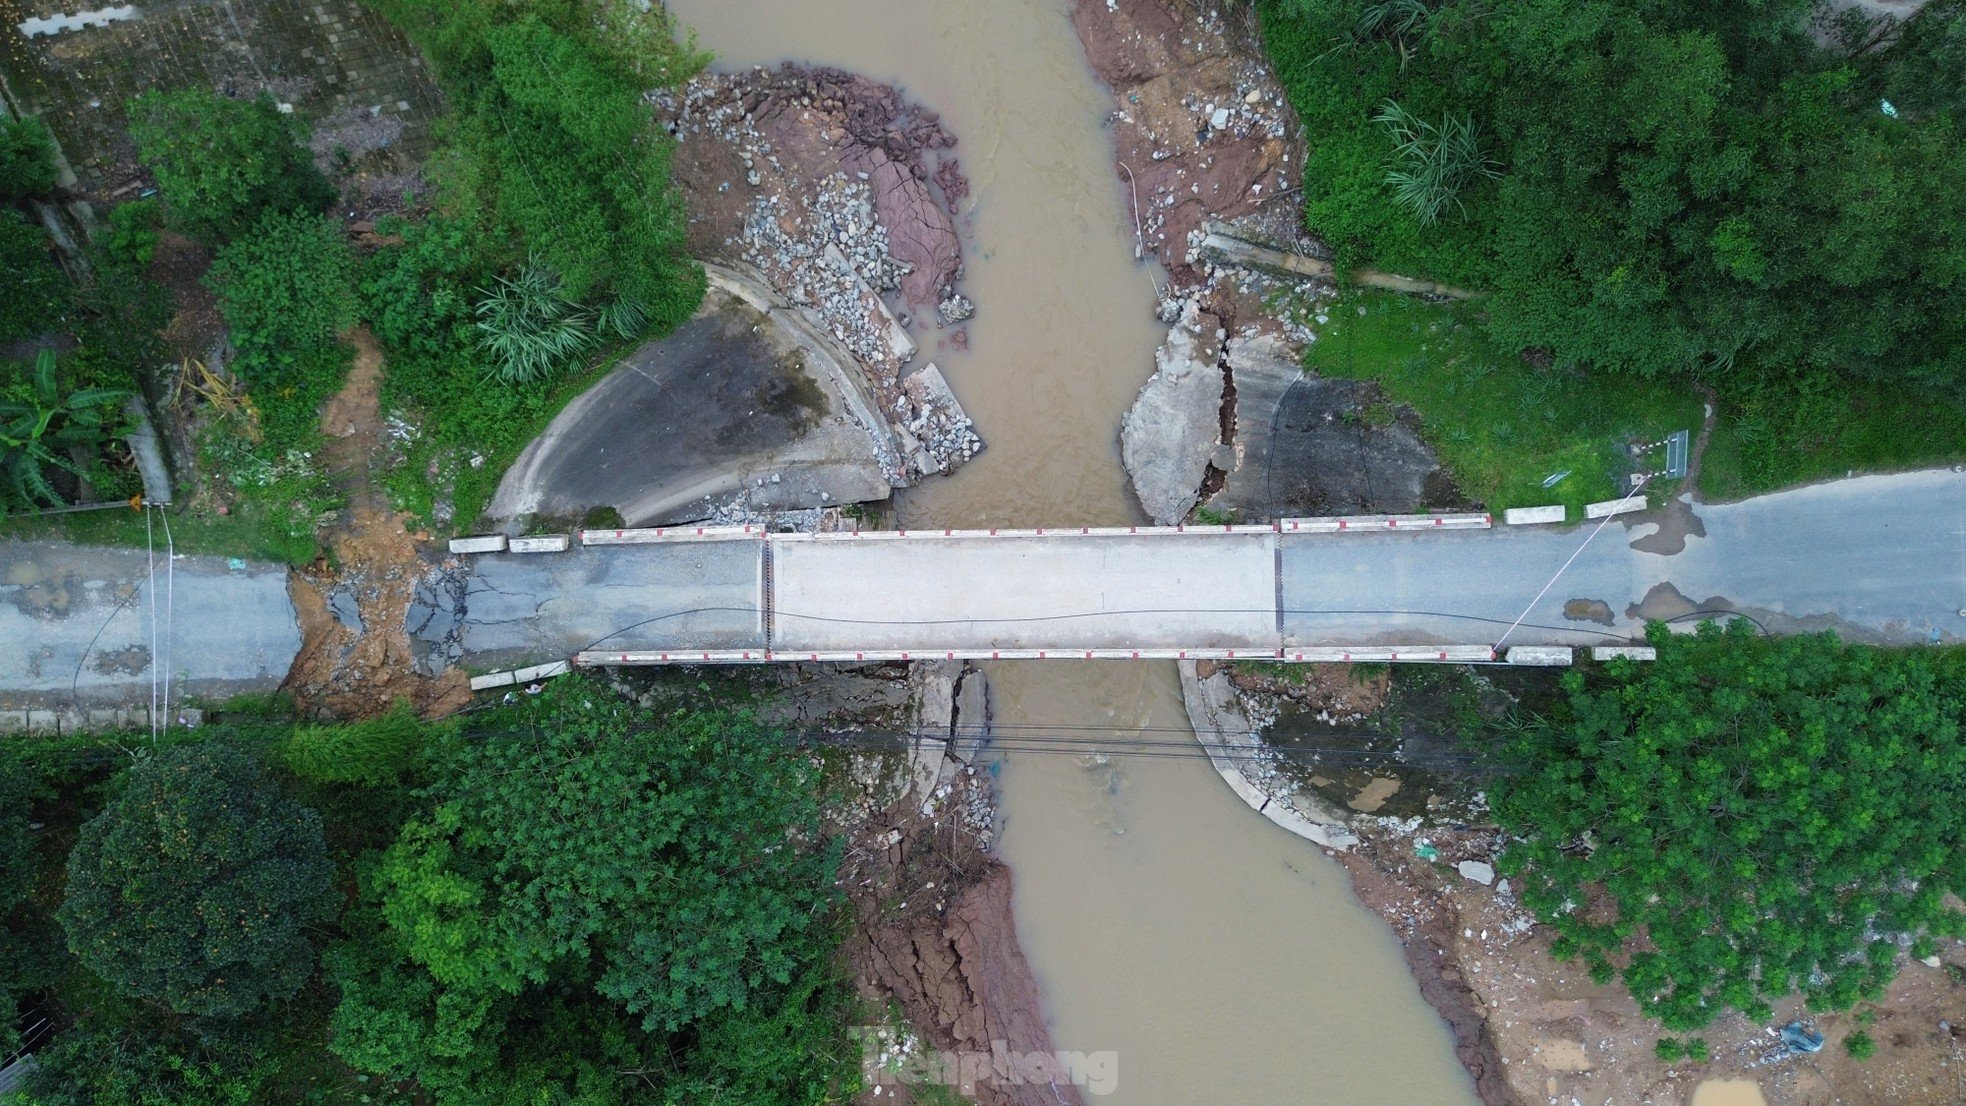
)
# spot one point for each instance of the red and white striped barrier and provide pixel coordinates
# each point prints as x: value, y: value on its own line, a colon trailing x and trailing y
x: 649, y: 535
x: 1400, y: 654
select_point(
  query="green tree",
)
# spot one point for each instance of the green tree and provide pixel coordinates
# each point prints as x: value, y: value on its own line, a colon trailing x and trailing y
x: 586, y: 878
x: 553, y: 146
x: 1745, y: 818
x: 222, y: 163
x: 196, y: 887
x: 98, y: 1062
x: 27, y: 159
x: 42, y: 424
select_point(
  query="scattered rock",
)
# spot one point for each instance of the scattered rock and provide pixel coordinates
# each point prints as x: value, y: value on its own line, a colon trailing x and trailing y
x: 1479, y: 871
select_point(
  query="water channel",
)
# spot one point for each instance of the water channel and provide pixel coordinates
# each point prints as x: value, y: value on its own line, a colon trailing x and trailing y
x: 1224, y: 960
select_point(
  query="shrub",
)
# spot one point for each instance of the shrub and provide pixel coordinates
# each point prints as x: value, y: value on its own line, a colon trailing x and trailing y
x: 1669, y: 1049
x: 133, y: 230
x: 27, y: 159
x: 196, y: 886
x: 99, y: 1063
x: 1860, y: 1046
x: 43, y: 425
x: 221, y: 163
x: 285, y: 290
x: 415, y: 293
x: 529, y: 328
x: 34, y: 293
x: 371, y: 752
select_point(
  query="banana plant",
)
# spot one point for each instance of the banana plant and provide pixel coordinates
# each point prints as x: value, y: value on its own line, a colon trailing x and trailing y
x: 39, y: 426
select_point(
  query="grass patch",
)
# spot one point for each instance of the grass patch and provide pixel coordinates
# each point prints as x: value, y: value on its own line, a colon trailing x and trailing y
x: 252, y: 530
x: 1499, y: 424
x: 461, y: 413
x: 1799, y: 431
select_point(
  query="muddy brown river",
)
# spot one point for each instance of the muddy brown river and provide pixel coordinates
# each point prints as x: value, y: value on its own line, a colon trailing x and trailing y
x: 1222, y: 959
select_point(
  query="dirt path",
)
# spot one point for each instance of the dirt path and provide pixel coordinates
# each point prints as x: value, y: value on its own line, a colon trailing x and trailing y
x: 355, y: 655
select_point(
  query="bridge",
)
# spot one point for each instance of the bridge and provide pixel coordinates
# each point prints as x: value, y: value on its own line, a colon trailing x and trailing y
x: 1433, y: 587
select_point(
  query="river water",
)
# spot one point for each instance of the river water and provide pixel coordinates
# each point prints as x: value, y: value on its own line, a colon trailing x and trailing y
x: 1222, y: 959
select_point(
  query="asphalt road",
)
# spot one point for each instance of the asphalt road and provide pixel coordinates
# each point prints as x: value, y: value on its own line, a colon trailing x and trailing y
x: 77, y: 628
x: 525, y: 609
x: 1879, y: 558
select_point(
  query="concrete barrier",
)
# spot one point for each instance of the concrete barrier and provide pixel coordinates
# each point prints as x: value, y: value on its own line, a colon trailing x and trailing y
x: 489, y: 543
x: 1611, y: 507
x: 520, y: 676
x: 1628, y: 652
x: 649, y: 535
x: 1546, y: 656
x: 1530, y: 516
x: 1371, y: 523
x: 539, y: 543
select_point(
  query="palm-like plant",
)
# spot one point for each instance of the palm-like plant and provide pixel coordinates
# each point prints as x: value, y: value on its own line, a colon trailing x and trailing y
x: 39, y: 427
x: 529, y: 327
x: 1433, y: 162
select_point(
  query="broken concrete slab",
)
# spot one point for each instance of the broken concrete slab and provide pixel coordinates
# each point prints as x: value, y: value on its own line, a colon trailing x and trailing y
x: 1300, y: 445
x: 1533, y: 516
x: 1170, y: 433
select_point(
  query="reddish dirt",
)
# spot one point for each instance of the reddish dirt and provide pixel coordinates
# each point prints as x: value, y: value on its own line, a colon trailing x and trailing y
x: 340, y: 673
x: 1172, y: 65
x: 935, y: 936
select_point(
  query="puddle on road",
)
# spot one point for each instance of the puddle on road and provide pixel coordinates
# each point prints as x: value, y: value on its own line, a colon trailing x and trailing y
x: 1224, y: 960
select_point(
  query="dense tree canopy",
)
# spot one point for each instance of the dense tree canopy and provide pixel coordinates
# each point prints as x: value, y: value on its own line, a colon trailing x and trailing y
x: 222, y: 163
x: 554, y: 148
x: 584, y: 879
x: 1746, y: 818
x: 196, y: 886
x: 1678, y: 185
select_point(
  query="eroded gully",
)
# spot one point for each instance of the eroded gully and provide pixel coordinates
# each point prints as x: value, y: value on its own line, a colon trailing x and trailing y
x: 1223, y: 960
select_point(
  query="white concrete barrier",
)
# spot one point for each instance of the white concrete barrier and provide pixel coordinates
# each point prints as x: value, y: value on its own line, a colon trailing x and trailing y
x: 1628, y: 652
x: 649, y: 535
x: 1530, y: 516
x: 1371, y: 523
x: 1546, y: 656
x: 540, y: 672
x: 520, y: 676
x: 539, y: 543
x: 1611, y: 507
x: 489, y: 543
x: 1401, y: 654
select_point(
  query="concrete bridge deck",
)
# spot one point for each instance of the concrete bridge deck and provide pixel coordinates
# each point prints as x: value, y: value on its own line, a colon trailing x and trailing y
x: 1813, y: 558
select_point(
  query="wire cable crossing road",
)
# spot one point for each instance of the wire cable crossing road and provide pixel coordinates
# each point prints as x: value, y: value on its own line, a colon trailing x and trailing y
x: 1875, y: 558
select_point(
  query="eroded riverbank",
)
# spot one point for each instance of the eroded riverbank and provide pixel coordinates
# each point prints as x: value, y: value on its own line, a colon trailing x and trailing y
x: 1184, y: 943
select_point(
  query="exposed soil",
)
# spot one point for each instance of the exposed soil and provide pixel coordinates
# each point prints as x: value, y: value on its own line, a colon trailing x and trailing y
x: 934, y: 934
x: 1202, y: 130
x: 355, y: 671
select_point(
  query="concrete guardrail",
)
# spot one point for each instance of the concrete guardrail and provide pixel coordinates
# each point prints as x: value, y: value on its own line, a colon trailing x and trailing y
x: 1402, y: 654
x: 1628, y: 652
x: 488, y: 543
x: 519, y: 676
x: 91, y: 720
x: 1547, y: 656
x: 1611, y: 507
x: 539, y: 543
x: 1530, y: 516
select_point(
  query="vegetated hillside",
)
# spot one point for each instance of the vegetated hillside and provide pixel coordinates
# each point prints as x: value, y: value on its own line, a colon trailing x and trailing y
x: 1660, y: 187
